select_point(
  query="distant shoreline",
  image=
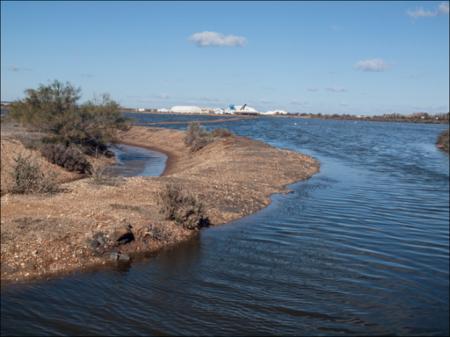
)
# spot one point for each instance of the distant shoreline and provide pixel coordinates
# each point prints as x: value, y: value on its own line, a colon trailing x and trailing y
x: 230, y: 117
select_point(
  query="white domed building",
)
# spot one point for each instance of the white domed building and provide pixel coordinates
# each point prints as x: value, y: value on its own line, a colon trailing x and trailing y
x: 186, y: 109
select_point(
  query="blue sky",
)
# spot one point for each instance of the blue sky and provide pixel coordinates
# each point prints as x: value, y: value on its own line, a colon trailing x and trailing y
x: 328, y: 57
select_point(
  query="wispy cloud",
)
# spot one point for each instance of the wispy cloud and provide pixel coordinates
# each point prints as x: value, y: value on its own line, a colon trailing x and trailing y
x: 299, y: 102
x: 214, y: 39
x: 16, y: 69
x: 335, y: 28
x: 312, y: 89
x: 372, y: 65
x: 265, y: 101
x: 420, y: 12
x: 163, y: 96
x: 87, y: 75
x: 336, y: 89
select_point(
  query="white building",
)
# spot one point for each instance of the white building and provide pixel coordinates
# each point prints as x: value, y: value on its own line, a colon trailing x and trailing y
x: 163, y: 110
x: 186, y: 109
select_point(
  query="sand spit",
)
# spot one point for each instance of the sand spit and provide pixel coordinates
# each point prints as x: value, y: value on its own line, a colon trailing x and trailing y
x: 47, y: 235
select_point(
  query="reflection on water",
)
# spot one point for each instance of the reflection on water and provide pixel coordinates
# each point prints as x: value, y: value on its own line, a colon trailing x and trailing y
x: 360, y: 248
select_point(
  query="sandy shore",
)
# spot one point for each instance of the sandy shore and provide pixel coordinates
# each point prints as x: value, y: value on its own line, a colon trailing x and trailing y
x: 48, y: 235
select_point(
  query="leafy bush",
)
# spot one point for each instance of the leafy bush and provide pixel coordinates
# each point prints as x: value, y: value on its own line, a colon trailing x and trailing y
x: 197, y: 137
x: 29, y: 178
x: 67, y: 157
x: 54, y: 109
x: 185, y: 209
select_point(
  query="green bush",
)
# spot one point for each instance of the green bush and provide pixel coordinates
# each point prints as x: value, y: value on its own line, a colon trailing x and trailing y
x: 185, y: 209
x: 54, y: 109
x: 29, y: 178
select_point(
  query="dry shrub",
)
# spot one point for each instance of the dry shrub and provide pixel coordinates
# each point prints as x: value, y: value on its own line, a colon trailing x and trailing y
x: 69, y: 157
x: 183, y: 208
x: 197, y: 137
x: 159, y: 233
x: 221, y: 133
x: 100, y: 176
x: 31, y: 141
x: 28, y: 177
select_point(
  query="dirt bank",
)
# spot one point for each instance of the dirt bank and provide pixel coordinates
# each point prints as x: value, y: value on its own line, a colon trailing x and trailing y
x: 44, y: 235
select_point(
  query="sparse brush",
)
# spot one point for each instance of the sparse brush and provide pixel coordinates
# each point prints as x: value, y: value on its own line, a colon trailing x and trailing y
x: 158, y: 233
x: 221, y: 133
x: 30, y: 141
x: 185, y: 209
x: 198, y: 137
x: 69, y: 157
x: 29, y: 178
x: 100, y: 176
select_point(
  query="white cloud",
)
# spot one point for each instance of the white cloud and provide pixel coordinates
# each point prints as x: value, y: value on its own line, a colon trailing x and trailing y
x: 312, y: 89
x: 213, y: 39
x: 371, y: 65
x: 419, y: 12
x: 336, y: 89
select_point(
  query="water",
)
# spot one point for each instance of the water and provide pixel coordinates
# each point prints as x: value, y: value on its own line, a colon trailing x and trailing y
x: 136, y: 161
x: 360, y: 248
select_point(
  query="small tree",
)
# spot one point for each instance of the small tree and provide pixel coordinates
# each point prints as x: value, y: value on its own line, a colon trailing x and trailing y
x: 54, y: 109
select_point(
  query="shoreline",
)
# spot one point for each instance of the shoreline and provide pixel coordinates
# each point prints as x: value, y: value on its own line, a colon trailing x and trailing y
x: 47, y: 236
x: 237, y: 117
x: 171, y: 157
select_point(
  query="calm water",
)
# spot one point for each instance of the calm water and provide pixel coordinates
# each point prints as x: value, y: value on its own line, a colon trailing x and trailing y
x: 136, y: 161
x: 360, y: 248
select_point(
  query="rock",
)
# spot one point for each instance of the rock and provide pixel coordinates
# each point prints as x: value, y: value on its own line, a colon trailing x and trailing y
x: 100, y: 238
x: 124, y: 235
x: 124, y: 257
x: 119, y: 257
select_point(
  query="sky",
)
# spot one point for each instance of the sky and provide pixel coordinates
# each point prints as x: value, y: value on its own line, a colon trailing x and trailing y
x: 314, y: 57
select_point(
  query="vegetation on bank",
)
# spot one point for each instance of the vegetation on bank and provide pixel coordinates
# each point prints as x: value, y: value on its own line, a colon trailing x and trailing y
x: 64, y: 131
x: 182, y: 208
x: 28, y: 177
x: 55, y: 110
x: 443, y: 141
x: 198, y: 137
